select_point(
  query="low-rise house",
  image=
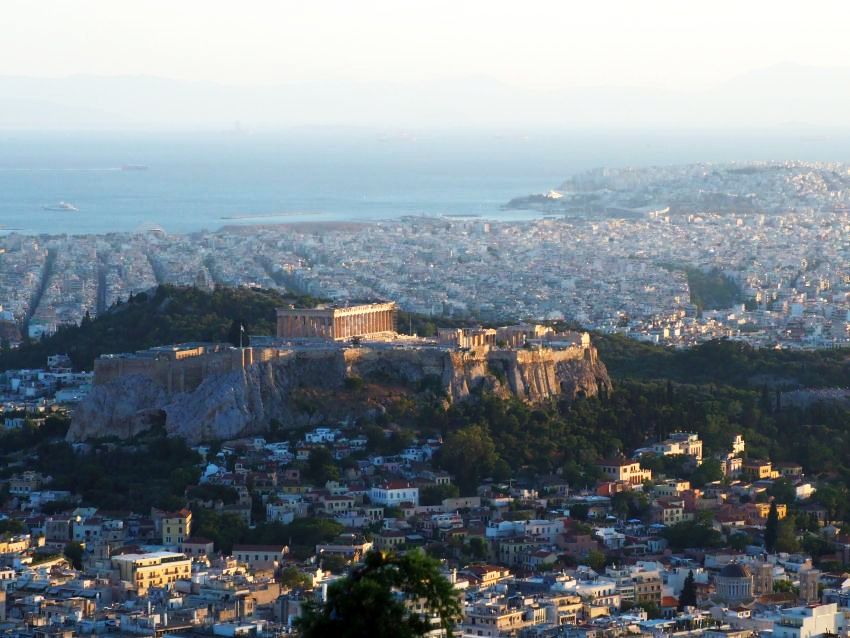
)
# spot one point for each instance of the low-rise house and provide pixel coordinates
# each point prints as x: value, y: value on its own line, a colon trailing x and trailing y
x: 349, y: 546
x: 757, y: 469
x: 197, y: 546
x: 394, y: 493
x: 623, y: 469
x: 262, y: 557
x: 668, y: 511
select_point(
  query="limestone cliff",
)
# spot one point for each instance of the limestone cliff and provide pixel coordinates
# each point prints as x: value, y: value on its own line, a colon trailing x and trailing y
x: 307, y: 387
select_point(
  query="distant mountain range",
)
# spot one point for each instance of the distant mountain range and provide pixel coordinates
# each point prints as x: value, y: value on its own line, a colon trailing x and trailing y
x: 779, y: 96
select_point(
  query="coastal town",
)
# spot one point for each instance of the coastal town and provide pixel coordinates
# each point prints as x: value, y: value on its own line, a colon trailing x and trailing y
x: 227, y: 488
x: 424, y: 320
x: 772, y: 273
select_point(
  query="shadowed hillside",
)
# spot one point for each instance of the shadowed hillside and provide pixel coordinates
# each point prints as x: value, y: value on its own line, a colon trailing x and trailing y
x: 169, y: 314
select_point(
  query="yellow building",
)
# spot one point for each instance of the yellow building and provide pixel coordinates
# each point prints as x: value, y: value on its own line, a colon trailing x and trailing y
x: 14, y: 544
x: 757, y: 469
x: 176, y: 527
x: 493, y: 620
x: 763, y: 509
x: 155, y: 569
x: 564, y: 610
x: 623, y: 469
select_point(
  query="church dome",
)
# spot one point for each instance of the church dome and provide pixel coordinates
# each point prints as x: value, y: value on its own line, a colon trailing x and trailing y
x: 735, y: 570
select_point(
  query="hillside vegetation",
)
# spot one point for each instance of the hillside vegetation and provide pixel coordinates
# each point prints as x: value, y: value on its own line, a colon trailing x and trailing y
x: 724, y: 363
x: 171, y: 314
x: 712, y: 290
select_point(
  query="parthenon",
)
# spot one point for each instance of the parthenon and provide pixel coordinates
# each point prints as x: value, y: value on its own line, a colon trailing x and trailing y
x: 336, y: 323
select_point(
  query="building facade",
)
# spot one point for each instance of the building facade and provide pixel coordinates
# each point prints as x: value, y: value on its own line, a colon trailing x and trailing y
x: 155, y: 569
x: 337, y: 323
x: 176, y: 527
x: 394, y: 493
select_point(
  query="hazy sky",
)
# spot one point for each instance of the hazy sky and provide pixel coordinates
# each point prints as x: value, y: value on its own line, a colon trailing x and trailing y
x: 671, y: 44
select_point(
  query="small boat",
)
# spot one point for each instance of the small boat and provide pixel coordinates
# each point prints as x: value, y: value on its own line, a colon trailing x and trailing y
x: 63, y: 206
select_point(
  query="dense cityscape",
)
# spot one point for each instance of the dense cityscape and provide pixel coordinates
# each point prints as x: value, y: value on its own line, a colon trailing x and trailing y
x: 425, y: 319
x: 245, y: 485
x: 670, y: 275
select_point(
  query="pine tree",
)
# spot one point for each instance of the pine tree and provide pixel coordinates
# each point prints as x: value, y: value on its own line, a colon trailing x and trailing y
x: 771, y: 529
x: 688, y: 596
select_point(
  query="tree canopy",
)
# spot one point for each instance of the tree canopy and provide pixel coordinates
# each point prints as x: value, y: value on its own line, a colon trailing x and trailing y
x: 169, y: 314
x: 388, y: 596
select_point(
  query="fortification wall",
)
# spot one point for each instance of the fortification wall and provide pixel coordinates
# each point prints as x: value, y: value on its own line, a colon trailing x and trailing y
x: 231, y: 393
x: 180, y: 375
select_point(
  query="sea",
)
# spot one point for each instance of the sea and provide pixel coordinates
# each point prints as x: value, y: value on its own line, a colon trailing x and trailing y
x: 186, y: 182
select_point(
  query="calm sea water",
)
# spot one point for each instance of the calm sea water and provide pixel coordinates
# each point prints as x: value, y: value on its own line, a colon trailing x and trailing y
x: 194, y: 181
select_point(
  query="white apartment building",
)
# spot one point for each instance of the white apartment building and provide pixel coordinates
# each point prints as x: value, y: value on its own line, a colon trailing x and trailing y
x: 394, y: 493
x: 810, y: 622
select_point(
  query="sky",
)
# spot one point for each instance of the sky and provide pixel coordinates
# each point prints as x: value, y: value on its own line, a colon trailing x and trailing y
x: 532, y: 44
x: 566, y: 64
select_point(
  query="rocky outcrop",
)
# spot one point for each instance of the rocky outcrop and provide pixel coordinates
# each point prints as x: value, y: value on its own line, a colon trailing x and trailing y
x: 122, y: 408
x: 306, y: 387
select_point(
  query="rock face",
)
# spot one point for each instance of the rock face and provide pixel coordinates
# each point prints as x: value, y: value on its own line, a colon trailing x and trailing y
x: 122, y: 408
x: 307, y: 387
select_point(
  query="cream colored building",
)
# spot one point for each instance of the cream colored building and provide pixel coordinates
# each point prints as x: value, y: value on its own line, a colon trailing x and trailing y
x: 15, y: 544
x: 337, y: 323
x: 812, y: 621
x: 176, y: 527
x: 680, y: 443
x: 155, y: 569
x: 622, y: 469
x: 493, y: 620
x: 260, y: 556
x: 466, y: 337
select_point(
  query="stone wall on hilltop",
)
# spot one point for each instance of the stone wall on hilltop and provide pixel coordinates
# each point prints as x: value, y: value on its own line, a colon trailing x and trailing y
x: 243, y: 401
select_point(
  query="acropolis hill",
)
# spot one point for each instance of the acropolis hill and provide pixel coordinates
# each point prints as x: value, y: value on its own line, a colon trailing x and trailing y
x: 214, y: 391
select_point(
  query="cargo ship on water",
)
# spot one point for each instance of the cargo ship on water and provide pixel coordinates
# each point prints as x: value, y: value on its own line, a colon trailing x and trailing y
x: 62, y: 206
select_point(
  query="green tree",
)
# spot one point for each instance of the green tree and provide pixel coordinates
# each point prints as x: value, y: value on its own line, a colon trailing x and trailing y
x: 293, y: 578
x: 771, y: 529
x: 692, y: 534
x: 740, y: 540
x: 435, y: 494
x: 709, y: 471
x: 782, y: 491
x: 321, y: 466
x: 478, y: 548
x: 334, y: 563
x: 365, y: 603
x: 470, y: 455
x: 786, y: 535
x: 688, y: 595
x: 595, y: 560
x: 74, y: 553
x: 651, y: 610
x: 11, y: 526
x: 579, y: 511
